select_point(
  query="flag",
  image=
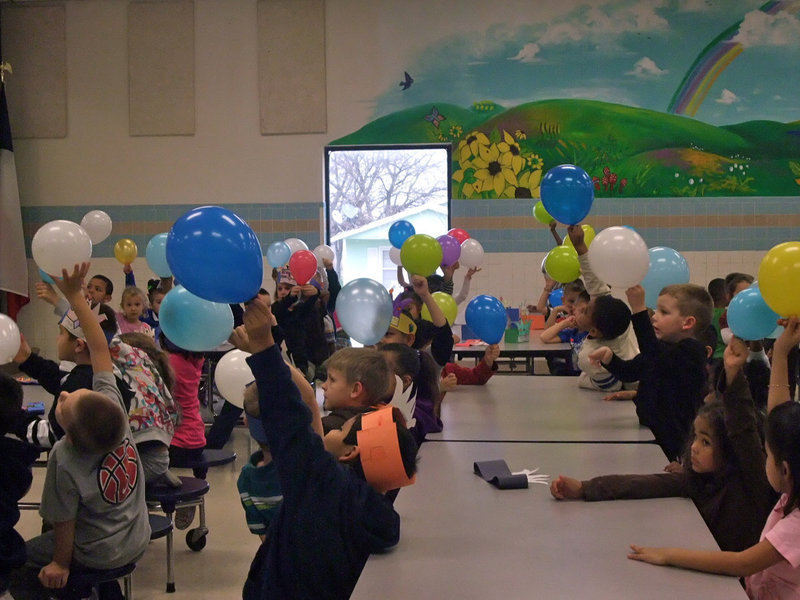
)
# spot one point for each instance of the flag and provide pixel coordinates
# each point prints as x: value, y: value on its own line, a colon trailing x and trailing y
x: 13, y: 264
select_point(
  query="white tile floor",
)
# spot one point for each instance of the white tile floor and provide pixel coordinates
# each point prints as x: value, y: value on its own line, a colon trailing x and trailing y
x: 216, y: 572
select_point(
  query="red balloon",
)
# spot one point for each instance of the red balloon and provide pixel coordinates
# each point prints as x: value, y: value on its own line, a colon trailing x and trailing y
x: 459, y: 234
x: 303, y: 266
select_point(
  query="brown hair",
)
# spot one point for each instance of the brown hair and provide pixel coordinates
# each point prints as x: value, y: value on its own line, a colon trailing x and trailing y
x: 98, y: 425
x: 693, y: 301
x: 364, y: 365
x: 159, y: 358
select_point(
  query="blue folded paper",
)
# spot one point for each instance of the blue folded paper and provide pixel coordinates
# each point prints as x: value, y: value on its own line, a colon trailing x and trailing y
x: 499, y: 475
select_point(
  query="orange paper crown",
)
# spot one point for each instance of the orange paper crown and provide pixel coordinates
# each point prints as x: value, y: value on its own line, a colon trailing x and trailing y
x: 379, y: 449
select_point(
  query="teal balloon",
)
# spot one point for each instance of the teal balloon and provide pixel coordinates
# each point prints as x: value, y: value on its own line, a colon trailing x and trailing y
x: 487, y: 317
x: 749, y: 317
x: 193, y: 323
x: 567, y: 193
x: 278, y: 254
x: 364, y: 310
x: 45, y: 277
x: 156, y: 255
x: 667, y: 266
x: 215, y: 255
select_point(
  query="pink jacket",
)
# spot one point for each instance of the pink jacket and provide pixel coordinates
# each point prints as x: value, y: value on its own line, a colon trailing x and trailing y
x: 190, y: 432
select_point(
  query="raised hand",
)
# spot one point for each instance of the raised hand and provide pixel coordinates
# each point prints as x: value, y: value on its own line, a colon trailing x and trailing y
x: 635, y: 296
x: 71, y: 284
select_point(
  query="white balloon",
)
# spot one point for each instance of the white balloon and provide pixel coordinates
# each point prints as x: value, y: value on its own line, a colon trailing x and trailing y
x: 9, y: 339
x: 394, y: 256
x: 471, y: 253
x: 232, y: 375
x: 324, y: 251
x: 60, y: 245
x: 296, y: 244
x: 618, y: 256
x: 97, y: 224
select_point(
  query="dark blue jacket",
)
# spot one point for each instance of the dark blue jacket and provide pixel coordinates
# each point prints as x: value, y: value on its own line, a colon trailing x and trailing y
x: 15, y: 479
x: 330, y: 519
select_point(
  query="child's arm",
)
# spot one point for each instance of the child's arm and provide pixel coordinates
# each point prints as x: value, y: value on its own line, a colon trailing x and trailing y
x: 70, y: 286
x: 130, y: 278
x: 551, y: 334
x: 738, y: 564
x: 549, y: 286
x: 626, y: 370
x: 464, y: 291
x: 46, y: 292
x: 554, y: 233
x: 552, y: 318
x: 55, y: 574
x: 779, y: 377
x: 449, y: 271
x: 640, y: 318
x: 442, y: 342
x: 401, y: 278
x: 594, y: 286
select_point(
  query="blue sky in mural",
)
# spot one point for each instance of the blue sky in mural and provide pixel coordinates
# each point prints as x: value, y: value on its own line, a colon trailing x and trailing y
x: 634, y: 53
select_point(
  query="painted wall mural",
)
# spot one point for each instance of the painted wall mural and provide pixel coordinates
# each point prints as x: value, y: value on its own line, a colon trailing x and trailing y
x: 653, y: 99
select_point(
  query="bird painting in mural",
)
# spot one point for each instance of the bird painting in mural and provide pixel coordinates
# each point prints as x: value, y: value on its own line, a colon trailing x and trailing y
x: 407, y: 81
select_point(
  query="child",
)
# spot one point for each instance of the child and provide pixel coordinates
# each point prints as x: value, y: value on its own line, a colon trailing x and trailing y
x: 671, y: 368
x: 334, y: 513
x: 771, y: 567
x: 258, y: 483
x: 719, y: 295
x: 357, y: 380
x: 15, y: 479
x: 133, y: 304
x: 723, y: 467
x: 454, y: 374
x: 567, y: 331
x: 98, y: 291
x: 92, y: 493
x: 572, y: 291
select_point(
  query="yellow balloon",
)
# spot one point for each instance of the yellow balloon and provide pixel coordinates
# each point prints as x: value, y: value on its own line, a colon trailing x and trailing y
x: 779, y: 279
x: 126, y: 251
x: 588, y: 235
x: 448, y: 305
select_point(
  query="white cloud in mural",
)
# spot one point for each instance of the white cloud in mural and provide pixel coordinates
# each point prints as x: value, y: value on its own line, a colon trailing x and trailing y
x: 727, y: 97
x: 646, y: 68
x: 761, y: 29
x: 777, y: 97
x: 599, y: 22
x: 527, y: 54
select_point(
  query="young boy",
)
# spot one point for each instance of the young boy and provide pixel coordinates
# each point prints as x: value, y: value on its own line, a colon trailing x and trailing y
x: 671, y: 367
x: 93, y: 491
x: 357, y: 380
x: 567, y: 331
x: 334, y: 513
x: 97, y: 291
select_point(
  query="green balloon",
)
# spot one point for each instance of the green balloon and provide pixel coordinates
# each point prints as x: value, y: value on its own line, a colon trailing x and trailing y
x: 421, y: 255
x: 540, y: 214
x: 562, y: 264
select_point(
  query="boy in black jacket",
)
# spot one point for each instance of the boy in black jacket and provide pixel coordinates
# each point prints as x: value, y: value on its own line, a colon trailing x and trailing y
x: 671, y: 365
x: 334, y: 512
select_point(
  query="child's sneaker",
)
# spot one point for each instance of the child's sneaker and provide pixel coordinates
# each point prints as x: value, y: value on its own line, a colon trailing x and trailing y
x: 184, y: 516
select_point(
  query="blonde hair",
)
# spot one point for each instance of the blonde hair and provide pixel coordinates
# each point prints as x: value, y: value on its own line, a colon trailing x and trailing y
x: 364, y: 365
x: 99, y: 423
x: 131, y: 291
x: 693, y: 301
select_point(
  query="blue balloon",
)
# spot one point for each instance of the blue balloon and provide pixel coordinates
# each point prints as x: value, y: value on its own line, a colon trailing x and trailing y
x: 399, y: 232
x: 486, y: 316
x: 667, y: 266
x: 156, y: 255
x: 567, y: 193
x: 215, y: 255
x: 749, y: 317
x: 278, y: 254
x: 193, y: 323
x: 556, y: 297
x: 364, y: 309
x: 45, y: 277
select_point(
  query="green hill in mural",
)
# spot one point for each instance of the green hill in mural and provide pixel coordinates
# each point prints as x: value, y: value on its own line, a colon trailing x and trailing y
x: 628, y: 151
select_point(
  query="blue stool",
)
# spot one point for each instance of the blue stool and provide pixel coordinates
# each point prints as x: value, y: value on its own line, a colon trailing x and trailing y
x: 81, y: 581
x: 212, y: 458
x: 168, y: 500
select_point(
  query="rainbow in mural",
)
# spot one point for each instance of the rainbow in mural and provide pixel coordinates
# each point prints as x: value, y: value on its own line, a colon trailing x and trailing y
x: 713, y: 60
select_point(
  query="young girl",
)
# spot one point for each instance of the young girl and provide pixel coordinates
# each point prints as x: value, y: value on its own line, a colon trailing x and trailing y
x: 133, y: 304
x: 723, y: 468
x: 155, y: 294
x: 772, y: 566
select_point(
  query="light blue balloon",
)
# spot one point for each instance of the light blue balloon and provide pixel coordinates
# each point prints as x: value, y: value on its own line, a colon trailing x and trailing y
x: 193, y: 323
x: 486, y: 316
x: 667, y: 266
x: 364, y: 310
x: 399, y: 232
x: 215, y: 255
x: 567, y: 193
x: 45, y: 277
x: 278, y: 254
x: 156, y: 255
x: 749, y: 317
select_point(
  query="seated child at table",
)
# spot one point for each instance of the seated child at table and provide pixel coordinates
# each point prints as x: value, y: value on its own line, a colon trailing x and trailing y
x: 671, y: 368
x: 258, y: 483
x: 15, y: 479
x: 771, y: 566
x: 334, y: 512
x: 357, y: 380
x: 572, y: 292
x: 454, y: 374
x: 93, y: 491
x: 723, y: 467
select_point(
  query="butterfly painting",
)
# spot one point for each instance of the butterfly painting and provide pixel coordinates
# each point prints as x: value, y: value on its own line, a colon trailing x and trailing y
x: 435, y: 117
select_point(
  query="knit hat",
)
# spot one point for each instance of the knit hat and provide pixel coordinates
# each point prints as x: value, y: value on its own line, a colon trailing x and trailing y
x: 285, y: 276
